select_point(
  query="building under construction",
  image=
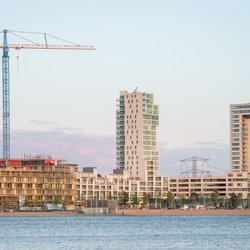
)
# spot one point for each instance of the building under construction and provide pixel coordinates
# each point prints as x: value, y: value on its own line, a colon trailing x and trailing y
x: 36, y: 182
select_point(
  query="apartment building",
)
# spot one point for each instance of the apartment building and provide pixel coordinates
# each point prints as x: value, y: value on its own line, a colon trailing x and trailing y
x: 40, y: 181
x: 92, y: 185
x: 137, y: 118
x: 239, y: 134
x: 203, y: 186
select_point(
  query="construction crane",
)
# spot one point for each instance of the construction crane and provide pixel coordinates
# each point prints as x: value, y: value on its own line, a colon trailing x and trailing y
x: 6, y: 73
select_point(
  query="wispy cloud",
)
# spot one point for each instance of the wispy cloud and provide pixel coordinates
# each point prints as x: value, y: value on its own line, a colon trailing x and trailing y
x: 99, y: 151
x: 42, y: 123
x: 86, y: 150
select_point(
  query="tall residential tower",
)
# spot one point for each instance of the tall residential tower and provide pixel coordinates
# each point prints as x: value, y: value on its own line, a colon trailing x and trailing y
x: 136, y: 120
x: 240, y: 138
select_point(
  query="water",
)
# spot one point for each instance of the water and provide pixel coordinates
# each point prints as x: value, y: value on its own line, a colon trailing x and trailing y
x: 125, y: 232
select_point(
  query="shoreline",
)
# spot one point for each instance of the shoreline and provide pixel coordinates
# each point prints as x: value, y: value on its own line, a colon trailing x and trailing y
x: 179, y: 212
x: 135, y: 212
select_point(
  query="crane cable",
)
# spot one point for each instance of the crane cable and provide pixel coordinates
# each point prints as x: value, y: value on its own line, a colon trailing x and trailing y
x: 40, y: 33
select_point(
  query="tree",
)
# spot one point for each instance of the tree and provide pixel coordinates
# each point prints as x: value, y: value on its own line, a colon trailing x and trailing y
x: 146, y: 199
x: 122, y: 198
x: 194, y: 197
x: 65, y: 201
x: 26, y: 202
x: 215, y: 198
x: 248, y: 201
x: 5, y: 205
x: 134, y: 200
x: 182, y: 200
x: 206, y: 201
x: 233, y: 200
x: 239, y: 200
x: 56, y: 200
x: 158, y: 201
x: 170, y: 200
x: 35, y: 201
x: 110, y: 197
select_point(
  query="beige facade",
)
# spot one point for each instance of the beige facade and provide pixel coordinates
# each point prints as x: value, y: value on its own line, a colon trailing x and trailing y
x: 92, y: 185
x: 137, y: 118
x: 204, y: 186
x: 39, y: 181
x: 240, y: 142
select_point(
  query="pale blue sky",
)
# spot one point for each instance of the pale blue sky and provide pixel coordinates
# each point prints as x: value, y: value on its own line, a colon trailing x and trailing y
x: 193, y: 55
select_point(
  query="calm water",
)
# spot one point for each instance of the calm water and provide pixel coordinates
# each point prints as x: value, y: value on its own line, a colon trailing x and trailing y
x: 122, y: 232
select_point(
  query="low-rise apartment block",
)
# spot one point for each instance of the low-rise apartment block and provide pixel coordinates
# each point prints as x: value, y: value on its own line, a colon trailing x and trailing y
x: 39, y: 181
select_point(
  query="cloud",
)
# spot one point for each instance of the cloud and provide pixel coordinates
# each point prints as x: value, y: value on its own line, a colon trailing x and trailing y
x: 86, y: 150
x: 99, y: 150
x: 42, y: 123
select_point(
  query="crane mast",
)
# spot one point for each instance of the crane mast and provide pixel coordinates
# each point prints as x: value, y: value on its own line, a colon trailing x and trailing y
x: 6, y: 75
x: 6, y: 98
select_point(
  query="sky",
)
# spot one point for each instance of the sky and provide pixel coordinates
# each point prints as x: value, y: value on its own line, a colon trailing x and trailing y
x: 193, y: 55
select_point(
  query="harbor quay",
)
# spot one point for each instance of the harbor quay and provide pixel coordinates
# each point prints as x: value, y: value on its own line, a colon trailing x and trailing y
x: 45, y: 183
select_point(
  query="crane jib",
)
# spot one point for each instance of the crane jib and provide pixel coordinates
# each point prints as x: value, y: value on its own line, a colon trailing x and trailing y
x: 44, y: 46
x: 6, y: 74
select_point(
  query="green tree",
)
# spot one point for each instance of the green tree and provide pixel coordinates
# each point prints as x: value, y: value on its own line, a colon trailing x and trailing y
x: 194, y: 197
x: 206, y: 201
x: 221, y: 201
x: 233, y: 200
x: 110, y: 197
x: 182, y: 200
x: 215, y: 196
x: 239, y: 201
x: 56, y: 200
x: 65, y: 201
x: 122, y: 198
x: 170, y: 200
x: 146, y: 199
x: 35, y: 201
x: 248, y: 201
x: 134, y: 200
x: 158, y: 200
x: 26, y: 202
x: 82, y: 200
x: 6, y: 205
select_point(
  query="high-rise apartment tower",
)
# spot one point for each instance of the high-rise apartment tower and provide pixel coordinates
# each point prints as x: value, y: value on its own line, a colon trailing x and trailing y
x: 136, y: 120
x: 240, y: 138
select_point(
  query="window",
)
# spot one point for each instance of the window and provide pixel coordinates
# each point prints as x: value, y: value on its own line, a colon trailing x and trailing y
x: 236, y: 153
x: 236, y: 158
x: 235, y: 139
x: 236, y: 130
x: 235, y: 149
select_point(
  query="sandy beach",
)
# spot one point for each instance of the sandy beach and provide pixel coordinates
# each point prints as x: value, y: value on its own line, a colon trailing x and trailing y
x: 139, y: 212
x: 177, y: 212
x: 39, y: 214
